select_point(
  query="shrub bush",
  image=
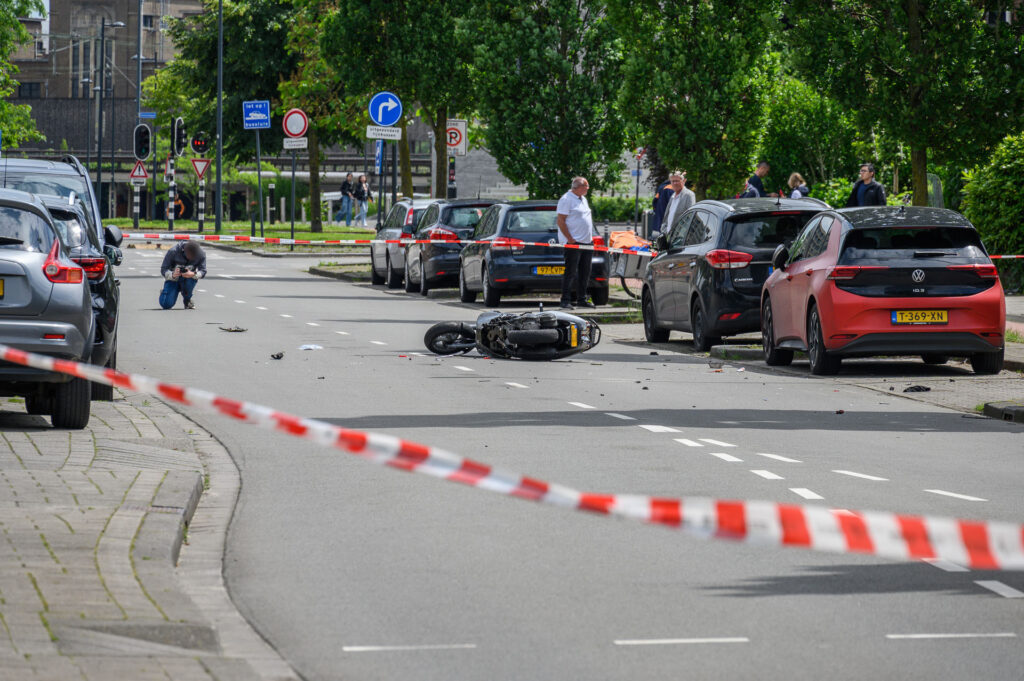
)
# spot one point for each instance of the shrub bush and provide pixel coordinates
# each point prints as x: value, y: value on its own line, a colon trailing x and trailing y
x: 994, y: 203
x: 614, y: 208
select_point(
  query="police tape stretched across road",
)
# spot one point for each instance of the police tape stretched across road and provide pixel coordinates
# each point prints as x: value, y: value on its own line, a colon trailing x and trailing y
x: 979, y: 545
x: 648, y: 253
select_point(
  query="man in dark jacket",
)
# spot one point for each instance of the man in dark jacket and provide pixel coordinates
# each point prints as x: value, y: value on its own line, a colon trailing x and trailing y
x: 755, y: 186
x: 183, y: 266
x: 867, y: 191
x: 662, y: 197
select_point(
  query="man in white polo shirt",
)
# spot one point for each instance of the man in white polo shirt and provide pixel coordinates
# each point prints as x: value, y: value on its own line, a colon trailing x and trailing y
x: 575, y: 227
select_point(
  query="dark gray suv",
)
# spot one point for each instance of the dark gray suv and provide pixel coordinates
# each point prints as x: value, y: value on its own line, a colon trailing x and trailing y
x: 45, y: 308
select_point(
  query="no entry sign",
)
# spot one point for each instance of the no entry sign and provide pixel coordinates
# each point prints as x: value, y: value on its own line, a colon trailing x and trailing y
x: 295, y: 123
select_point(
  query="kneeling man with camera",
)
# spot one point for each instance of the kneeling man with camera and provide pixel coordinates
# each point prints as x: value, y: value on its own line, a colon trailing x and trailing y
x: 183, y: 266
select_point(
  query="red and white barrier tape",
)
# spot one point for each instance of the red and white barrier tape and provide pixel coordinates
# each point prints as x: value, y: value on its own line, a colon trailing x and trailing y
x: 506, y: 243
x: 976, y: 544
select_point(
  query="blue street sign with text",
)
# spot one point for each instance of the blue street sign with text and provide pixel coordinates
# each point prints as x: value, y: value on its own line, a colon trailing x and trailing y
x: 147, y: 114
x: 379, y: 157
x: 256, y: 114
x: 385, y: 109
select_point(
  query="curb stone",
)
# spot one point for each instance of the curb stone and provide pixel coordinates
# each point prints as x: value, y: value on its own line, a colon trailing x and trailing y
x: 1005, y: 411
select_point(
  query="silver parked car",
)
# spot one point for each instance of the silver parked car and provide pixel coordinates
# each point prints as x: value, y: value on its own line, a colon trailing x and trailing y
x: 45, y: 308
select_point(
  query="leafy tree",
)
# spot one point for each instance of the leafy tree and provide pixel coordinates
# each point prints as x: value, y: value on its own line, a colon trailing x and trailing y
x: 547, y: 74
x: 696, y: 79
x: 933, y: 73
x: 994, y: 203
x: 806, y: 133
x: 15, y: 120
x: 255, y: 60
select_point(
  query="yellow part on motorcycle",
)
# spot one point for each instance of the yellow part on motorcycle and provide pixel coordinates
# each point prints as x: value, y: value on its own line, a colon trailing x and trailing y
x: 573, y: 336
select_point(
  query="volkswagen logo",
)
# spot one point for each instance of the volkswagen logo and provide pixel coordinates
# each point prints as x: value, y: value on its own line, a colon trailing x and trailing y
x: 917, y: 276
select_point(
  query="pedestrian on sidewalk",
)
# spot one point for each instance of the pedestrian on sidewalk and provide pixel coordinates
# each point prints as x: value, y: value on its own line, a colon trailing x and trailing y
x: 346, y: 201
x: 868, y: 191
x: 798, y: 187
x: 681, y: 200
x: 183, y: 266
x: 660, y: 203
x: 755, y: 185
x: 575, y: 226
x: 363, y: 196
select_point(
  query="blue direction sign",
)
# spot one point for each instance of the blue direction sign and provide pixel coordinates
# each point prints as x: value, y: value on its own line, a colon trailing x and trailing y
x: 379, y: 157
x: 256, y: 114
x: 147, y: 114
x: 385, y: 109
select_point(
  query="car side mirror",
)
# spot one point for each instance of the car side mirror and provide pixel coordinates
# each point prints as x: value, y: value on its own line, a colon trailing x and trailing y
x: 780, y: 256
x: 112, y: 235
x: 114, y: 254
x: 661, y: 243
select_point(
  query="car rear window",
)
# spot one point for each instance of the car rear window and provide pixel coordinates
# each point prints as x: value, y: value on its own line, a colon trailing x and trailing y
x: 70, y: 229
x: 51, y: 185
x: 902, y: 243
x: 463, y: 216
x: 766, y: 231
x: 22, y: 230
x: 532, y: 220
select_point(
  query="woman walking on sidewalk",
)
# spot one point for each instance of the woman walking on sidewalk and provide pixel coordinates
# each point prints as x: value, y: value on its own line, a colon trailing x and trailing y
x: 363, y: 195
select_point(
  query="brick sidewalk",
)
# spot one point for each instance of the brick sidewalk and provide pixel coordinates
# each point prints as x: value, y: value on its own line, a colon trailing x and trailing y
x: 92, y: 586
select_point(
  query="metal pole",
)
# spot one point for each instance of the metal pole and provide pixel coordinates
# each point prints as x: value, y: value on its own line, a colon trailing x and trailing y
x: 220, y: 111
x: 88, y: 125
x: 171, y: 190
x: 259, y: 180
x: 138, y: 67
x: 111, y: 191
x: 202, y: 202
x: 381, y: 179
x: 135, y: 205
x: 394, y: 173
x: 293, y: 201
x: 100, y: 60
x: 152, y: 189
x: 636, y: 203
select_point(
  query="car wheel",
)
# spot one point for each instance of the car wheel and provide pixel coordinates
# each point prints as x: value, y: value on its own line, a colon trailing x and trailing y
x: 465, y: 295
x: 773, y: 356
x: 71, y: 404
x: 822, y: 363
x: 100, y: 391
x: 702, y: 341
x: 987, y: 363
x: 651, y: 330
x: 38, y: 404
x: 392, y: 279
x: 932, y: 358
x: 600, y: 295
x: 410, y: 287
x: 491, y: 296
x: 424, y: 288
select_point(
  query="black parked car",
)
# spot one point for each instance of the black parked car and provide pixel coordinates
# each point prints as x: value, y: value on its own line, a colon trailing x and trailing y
x: 66, y: 184
x: 387, y: 261
x: 429, y: 266
x: 499, y: 265
x: 711, y: 264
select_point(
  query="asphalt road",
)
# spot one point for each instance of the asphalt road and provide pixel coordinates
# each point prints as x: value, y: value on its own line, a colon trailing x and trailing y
x: 357, y: 572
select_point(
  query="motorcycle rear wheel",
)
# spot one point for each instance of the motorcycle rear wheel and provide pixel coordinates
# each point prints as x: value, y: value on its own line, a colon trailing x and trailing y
x: 446, y: 338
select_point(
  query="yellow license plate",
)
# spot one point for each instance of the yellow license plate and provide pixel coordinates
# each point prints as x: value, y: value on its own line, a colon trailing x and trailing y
x: 920, y: 317
x: 549, y: 270
x: 573, y: 336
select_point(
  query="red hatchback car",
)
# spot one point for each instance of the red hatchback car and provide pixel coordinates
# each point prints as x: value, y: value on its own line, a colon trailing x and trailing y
x: 884, y: 280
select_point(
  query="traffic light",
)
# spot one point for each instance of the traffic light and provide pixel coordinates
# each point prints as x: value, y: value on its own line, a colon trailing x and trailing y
x: 200, y: 144
x: 178, y: 137
x: 143, y: 139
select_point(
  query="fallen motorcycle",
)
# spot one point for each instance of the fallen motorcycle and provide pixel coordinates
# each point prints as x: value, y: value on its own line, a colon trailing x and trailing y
x: 532, y: 335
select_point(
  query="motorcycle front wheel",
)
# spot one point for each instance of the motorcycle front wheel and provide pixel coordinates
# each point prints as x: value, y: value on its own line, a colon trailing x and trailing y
x: 446, y: 338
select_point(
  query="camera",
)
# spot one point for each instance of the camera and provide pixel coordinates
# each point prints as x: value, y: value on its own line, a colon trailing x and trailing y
x: 184, y: 268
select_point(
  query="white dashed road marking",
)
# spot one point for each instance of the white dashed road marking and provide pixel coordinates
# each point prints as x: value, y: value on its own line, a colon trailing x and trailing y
x: 680, y: 641
x: 344, y: 333
x: 688, y: 443
x: 715, y: 442
x: 965, y: 497
x: 726, y: 457
x: 518, y: 385
x: 805, y: 493
x: 217, y: 295
x: 619, y: 416
x: 240, y: 301
x: 312, y: 324
x: 260, y: 307
x: 287, y: 316
x: 768, y: 475
x: 660, y: 429
x: 904, y: 637
x: 581, y: 405
x: 779, y: 457
x: 378, y: 342
x: 462, y: 368
x: 946, y: 565
x: 865, y: 476
x: 394, y: 649
x: 999, y: 588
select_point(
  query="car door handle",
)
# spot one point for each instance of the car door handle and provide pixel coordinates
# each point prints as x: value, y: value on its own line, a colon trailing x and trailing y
x: 789, y: 277
x: 809, y: 272
x: 692, y: 264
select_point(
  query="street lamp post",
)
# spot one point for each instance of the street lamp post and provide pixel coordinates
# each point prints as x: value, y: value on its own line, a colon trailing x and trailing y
x: 102, y: 61
x: 88, y: 123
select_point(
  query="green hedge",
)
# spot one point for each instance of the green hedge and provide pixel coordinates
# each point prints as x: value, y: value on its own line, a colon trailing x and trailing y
x: 614, y: 208
x: 993, y: 201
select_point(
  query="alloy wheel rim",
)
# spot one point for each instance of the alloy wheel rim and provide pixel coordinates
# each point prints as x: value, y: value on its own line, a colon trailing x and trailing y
x: 767, y: 337
x: 815, y: 336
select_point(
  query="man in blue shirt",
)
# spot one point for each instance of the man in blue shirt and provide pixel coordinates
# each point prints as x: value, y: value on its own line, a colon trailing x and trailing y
x: 867, y: 191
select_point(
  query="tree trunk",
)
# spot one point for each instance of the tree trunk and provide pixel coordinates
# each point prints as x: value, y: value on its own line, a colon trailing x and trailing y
x: 919, y: 165
x: 404, y: 159
x: 315, y: 222
x: 440, y: 122
x: 700, y: 189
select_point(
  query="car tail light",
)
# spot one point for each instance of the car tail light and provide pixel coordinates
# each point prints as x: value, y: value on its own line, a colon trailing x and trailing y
x: 53, y: 336
x: 405, y: 235
x: 983, y: 271
x: 598, y: 241
x: 408, y: 218
x: 95, y: 268
x: 504, y: 242
x: 722, y: 259
x: 442, y: 234
x: 60, y: 273
x: 847, y: 272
